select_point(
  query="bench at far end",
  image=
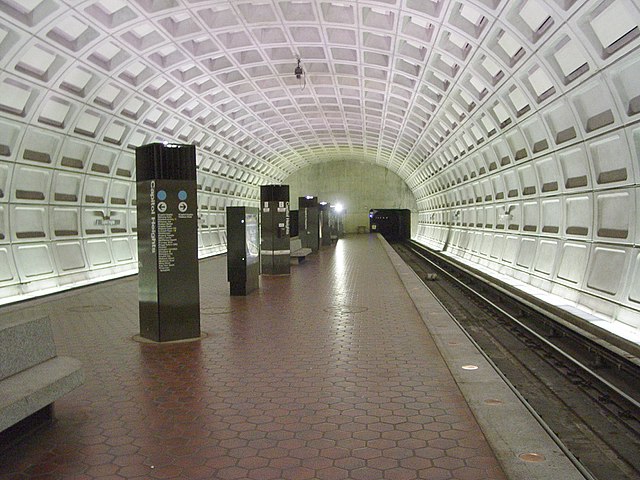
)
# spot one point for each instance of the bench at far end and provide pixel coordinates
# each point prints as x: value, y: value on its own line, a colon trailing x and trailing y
x: 298, y: 254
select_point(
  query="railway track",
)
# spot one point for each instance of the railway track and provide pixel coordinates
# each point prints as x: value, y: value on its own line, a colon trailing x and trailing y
x: 587, y: 395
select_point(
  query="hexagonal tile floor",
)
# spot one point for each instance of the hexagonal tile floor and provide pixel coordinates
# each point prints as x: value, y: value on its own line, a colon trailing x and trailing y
x: 328, y: 374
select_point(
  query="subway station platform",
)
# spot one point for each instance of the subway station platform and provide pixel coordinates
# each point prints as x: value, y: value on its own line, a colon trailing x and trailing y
x: 333, y: 372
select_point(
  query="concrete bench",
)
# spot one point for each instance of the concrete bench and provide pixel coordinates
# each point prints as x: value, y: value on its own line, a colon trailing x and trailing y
x: 32, y: 376
x: 298, y: 254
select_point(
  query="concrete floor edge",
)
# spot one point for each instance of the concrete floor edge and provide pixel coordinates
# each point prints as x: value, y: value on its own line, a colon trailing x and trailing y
x: 509, y: 427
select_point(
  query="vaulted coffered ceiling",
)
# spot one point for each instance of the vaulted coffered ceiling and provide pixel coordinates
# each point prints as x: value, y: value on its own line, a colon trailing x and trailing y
x: 386, y: 81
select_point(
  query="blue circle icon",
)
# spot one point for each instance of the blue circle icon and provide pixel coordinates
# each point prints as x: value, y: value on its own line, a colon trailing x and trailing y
x: 162, y: 195
x: 182, y: 195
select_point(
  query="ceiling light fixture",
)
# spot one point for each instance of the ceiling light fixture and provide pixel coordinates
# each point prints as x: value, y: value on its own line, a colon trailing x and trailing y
x: 300, y: 74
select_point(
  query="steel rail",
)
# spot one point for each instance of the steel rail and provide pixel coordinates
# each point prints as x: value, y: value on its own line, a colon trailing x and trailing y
x: 536, y: 335
x: 572, y: 458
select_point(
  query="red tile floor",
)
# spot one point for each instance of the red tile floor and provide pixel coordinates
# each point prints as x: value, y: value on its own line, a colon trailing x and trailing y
x: 329, y: 374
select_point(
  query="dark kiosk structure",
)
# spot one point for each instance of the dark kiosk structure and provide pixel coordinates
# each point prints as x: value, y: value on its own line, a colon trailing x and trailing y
x: 243, y: 249
x: 325, y: 222
x: 293, y: 223
x: 168, y: 282
x: 274, y: 229
x: 309, y: 222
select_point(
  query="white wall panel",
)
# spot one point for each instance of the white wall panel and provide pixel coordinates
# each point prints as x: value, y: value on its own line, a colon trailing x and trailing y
x: 607, y: 270
x: 637, y: 217
x: 510, y: 250
x: 513, y: 216
x: 125, y: 166
x: 8, y: 272
x: 34, y: 261
x: 74, y: 155
x: 578, y: 215
x: 611, y: 160
x: 117, y: 222
x: 95, y: 190
x: 551, y: 216
x: 69, y: 256
x: 546, y: 257
x: 497, y: 247
x: 517, y: 145
x: 526, y: 253
x: 485, y: 248
x: 633, y: 135
x: 29, y: 223
x: 573, y: 262
x: 475, y: 243
x: 40, y: 147
x: 491, y: 213
x: 65, y: 222
x: 562, y: 123
x: 19, y: 97
x: 616, y: 216
x: 528, y: 180
x: 98, y: 252
x: 66, y: 187
x: 6, y: 170
x: 595, y: 107
x: 205, y: 239
x: 122, y: 249
x: 530, y: 216
x: 119, y: 193
x: 574, y: 164
x: 4, y: 224
x: 103, y: 161
x: 93, y: 221
x: 549, y: 179
x: 133, y: 221
x: 32, y: 184
x: 634, y: 287
x: 624, y: 77
x: 498, y: 187
x: 10, y: 135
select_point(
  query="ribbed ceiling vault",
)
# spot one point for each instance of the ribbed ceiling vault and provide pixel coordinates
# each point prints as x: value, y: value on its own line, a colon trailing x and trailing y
x: 387, y: 81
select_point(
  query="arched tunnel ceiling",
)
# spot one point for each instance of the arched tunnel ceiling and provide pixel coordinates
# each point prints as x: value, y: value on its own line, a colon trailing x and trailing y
x: 387, y: 81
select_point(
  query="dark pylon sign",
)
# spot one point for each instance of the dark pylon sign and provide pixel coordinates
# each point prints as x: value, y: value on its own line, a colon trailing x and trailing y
x: 168, y: 282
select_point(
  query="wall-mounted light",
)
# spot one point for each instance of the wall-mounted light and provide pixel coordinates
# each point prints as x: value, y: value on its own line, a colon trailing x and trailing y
x: 339, y: 207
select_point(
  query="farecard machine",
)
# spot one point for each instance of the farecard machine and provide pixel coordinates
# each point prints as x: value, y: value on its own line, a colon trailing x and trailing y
x: 274, y: 229
x: 309, y: 222
x: 243, y: 249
